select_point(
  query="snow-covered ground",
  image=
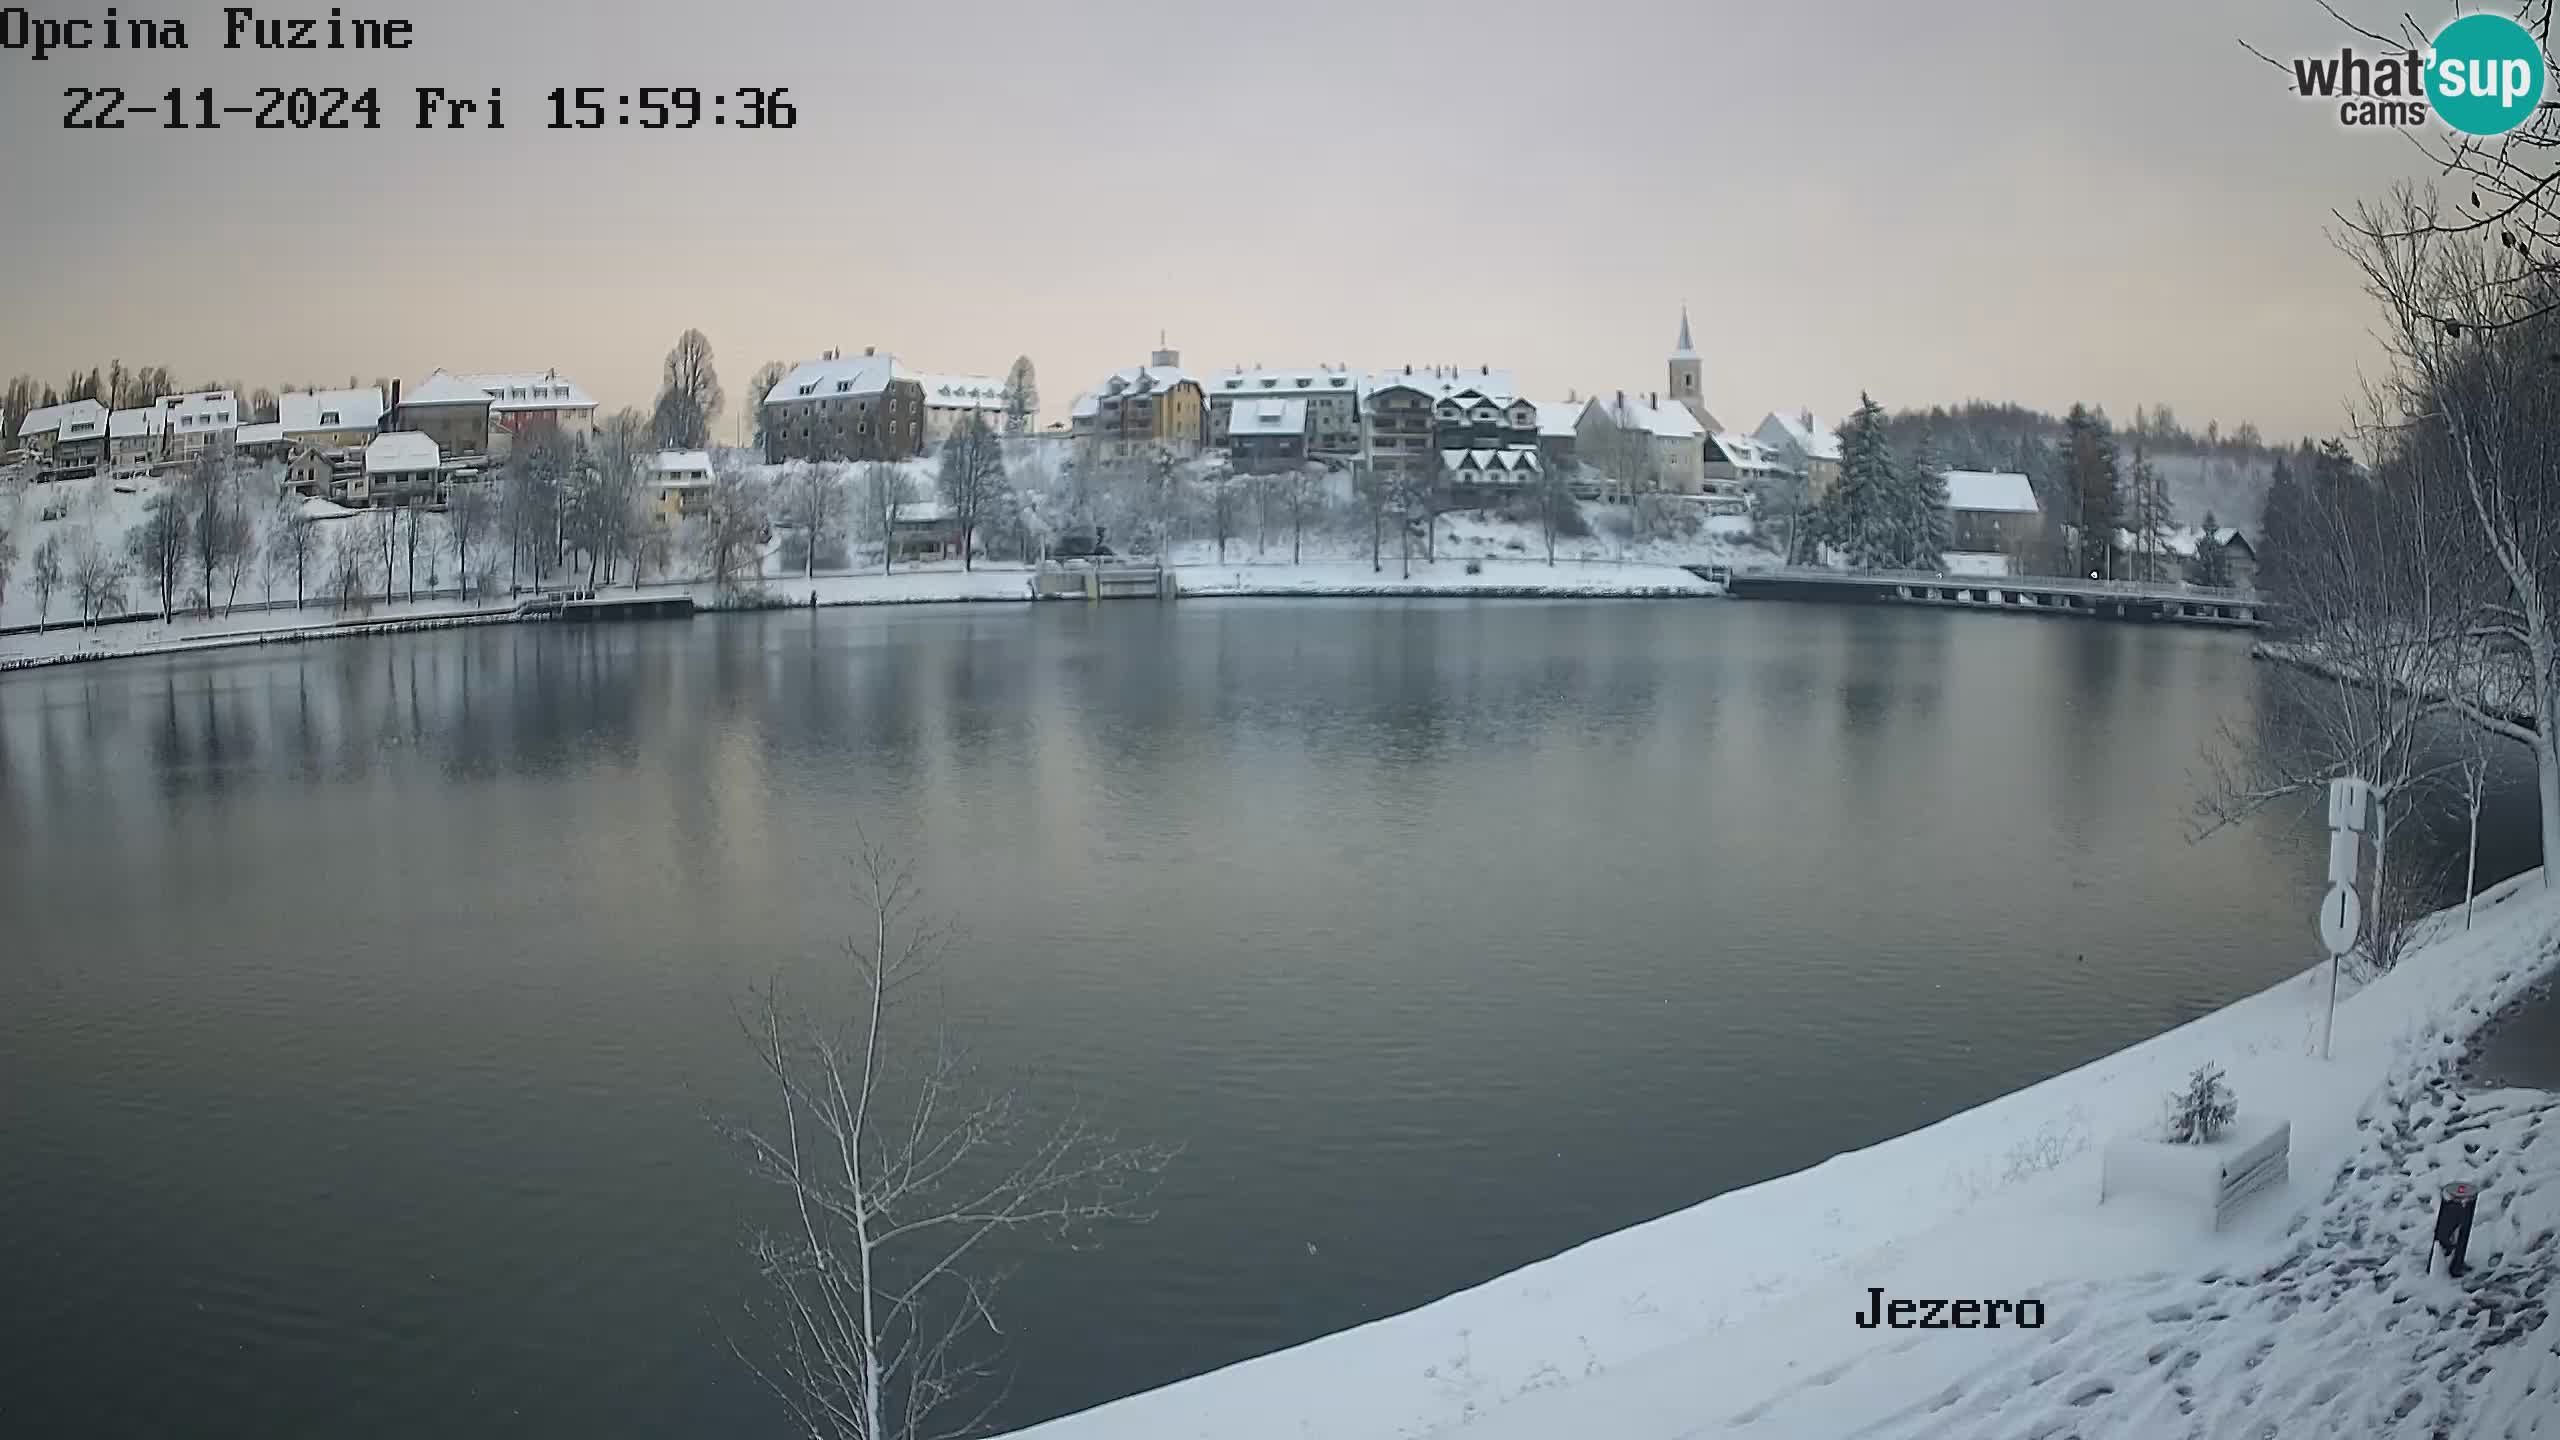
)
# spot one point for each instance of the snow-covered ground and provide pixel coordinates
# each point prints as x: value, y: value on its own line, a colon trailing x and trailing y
x: 1445, y: 577
x: 2312, y: 1313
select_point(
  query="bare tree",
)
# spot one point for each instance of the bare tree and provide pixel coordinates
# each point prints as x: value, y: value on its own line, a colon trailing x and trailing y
x: 2472, y: 330
x: 219, y: 532
x: 884, y: 489
x: 8, y: 556
x: 349, y: 587
x: 901, y: 1183
x: 97, y: 580
x: 385, y: 524
x: 735, y: 525
x: 972, y: 480
x: 467, y: 517
x: 1021, y: 398
x: 289, y: 542
x: 812, y: 500
x: 45, y: 574
x: 761, y: 384
x: 1302, y: 489
x: 689, y: 395
x: 159, y: 545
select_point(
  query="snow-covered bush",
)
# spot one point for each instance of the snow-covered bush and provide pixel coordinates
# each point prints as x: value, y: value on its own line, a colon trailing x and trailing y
x: 2203, y: 1110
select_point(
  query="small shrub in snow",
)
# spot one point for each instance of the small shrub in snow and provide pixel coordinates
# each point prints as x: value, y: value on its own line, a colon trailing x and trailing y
x: 1475, y: 567
x: 2203, y: 1110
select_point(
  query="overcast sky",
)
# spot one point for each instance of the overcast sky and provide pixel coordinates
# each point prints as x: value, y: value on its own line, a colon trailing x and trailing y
x: 2040, y: 203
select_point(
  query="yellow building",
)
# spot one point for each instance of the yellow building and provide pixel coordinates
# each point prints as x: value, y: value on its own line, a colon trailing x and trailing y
x: 679, y: 485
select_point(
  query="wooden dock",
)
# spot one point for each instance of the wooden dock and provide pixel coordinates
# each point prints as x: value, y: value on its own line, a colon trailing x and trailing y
x: 1100, y: 582
x: 2131, y: 600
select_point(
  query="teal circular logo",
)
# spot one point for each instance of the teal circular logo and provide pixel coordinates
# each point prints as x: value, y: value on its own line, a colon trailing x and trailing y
x: 2485, y: 75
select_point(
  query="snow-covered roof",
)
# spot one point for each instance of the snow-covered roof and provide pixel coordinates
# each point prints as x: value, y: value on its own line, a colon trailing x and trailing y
x: 1260, y: 416
x: 2002, y: 491
x: 200, y: 411
x: 401, y: 451
x: 1514, y: 458
x: 80, y: 420
x: 134, y: 424
x: 315, y: 508
x: 1813, y: 441
x: 301, y: 412
x: 1441, y: 382
x: 1662, y: 419
x: 1744, y: 452
x: 44, y: 421
x: 443, y: 389
x: 922, y: 512
x: 269, y: 433
x: 832, y: 375
x: 1137, y: 379
x: 681, y: 463
x: 956, y: 392
x: 530, y: 390
x: 1559, y: 417
x: 1322, y: 379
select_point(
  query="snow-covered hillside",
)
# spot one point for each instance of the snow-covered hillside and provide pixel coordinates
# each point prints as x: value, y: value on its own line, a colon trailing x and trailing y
x: 2314, y: 1312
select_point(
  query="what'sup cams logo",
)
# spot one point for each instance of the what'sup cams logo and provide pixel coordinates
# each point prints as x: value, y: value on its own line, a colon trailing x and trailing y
x: 2483, y: 76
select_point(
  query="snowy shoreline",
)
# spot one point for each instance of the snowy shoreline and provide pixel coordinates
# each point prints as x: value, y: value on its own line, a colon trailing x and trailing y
x: 1737, y: 1312
x: 72, y: 644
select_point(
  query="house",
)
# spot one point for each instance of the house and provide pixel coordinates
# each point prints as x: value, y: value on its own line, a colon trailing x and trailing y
x: 523, y: 403
x: 840, y: 407
x: 1331, y: 394
x: 1414, y: 415
x: 261, y: 442
x: 324, y: 474
x: 445, y: 409
x: 1559, y: 430
x: 1155, y: 408
x: 1487, y: 477
x: 1804, y: 447
x: 1992, y: 513
x: 331, y: 419
x: 2241, y: 557
x: 80, y: 436
x: 2239, y: 554
x: 134, y: 436
x: 679, y: 485
x: 924, y: 530
x: 1736, y: 462
x: 404, y: 468
x: 42, y: 428
x: 189, y: 423
x: 1265, y: 435
x: 1644, y: 444
x: 951, y: 401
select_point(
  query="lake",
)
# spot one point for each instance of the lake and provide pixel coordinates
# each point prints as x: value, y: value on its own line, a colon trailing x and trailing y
x: 365, y: 1007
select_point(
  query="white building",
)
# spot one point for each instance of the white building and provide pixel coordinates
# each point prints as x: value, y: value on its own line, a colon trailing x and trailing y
x: 1644, y: 444
x: 679, y: 484
x: 952, y: 400
x: 1331, y: 394
x: 191, y: 422
x: 134, y: 436
x: 330, y: 419
x: 1805, y: 446
x: 524, y: 402
x: 402, y: 468
x: 72, y: 434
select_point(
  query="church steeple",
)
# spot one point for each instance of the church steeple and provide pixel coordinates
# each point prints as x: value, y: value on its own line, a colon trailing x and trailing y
x: 1688, y: 380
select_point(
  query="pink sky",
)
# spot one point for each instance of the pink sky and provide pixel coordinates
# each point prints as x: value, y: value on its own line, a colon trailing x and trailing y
x: 1931, y: 202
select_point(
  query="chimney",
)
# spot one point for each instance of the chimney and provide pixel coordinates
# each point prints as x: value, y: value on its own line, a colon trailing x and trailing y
x: 1484, y: 369
x: 867, y: 350
x: 395, y: 397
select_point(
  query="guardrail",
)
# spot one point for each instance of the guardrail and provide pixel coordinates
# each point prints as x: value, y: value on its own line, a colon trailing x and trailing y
x: 2162, y: 589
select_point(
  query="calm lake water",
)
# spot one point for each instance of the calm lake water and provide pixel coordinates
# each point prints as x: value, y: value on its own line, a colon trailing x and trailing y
x: 364, y: 1006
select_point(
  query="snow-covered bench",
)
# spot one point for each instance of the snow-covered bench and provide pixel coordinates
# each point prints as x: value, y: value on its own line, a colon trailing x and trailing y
x: 2218, y: 1175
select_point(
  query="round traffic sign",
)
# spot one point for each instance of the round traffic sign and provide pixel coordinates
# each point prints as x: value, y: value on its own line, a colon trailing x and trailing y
x: 2341, y: 919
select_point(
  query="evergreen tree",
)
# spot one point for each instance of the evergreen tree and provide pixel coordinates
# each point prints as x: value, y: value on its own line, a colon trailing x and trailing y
x: 2086, y: 459
x: 2210, y: 565
x: 1926, y: 530
x: 2282, y: 525
x: 1862, y: 516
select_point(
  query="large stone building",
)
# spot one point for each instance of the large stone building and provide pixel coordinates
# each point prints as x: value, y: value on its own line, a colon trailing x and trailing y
x: 446, y: 409
x: 1414, y: 414
x: 844, y: 407
x: 1331, y: 393
x: 951, y: 401
x: 1150, y: 409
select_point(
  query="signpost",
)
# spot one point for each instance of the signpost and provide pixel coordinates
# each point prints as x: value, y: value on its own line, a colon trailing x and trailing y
x: 2341, y: 913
